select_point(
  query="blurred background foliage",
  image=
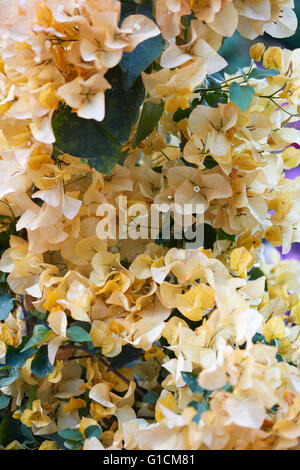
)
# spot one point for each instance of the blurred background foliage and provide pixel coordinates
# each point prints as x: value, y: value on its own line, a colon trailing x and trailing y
x: 236, y: 49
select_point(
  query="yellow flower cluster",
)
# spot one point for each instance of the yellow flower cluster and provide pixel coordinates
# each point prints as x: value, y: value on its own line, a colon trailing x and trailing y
x: 216, y: 344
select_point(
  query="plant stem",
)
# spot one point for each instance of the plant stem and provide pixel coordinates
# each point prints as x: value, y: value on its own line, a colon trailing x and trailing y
x: 26, y: 319
x: 104, y: 362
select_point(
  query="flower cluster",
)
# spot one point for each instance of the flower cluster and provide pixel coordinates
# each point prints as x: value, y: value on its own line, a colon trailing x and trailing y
x: 146, y: 343
x: 251, y: 17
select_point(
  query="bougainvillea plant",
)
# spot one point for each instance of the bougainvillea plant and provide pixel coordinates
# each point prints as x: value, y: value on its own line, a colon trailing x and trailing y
x: 144, y: 342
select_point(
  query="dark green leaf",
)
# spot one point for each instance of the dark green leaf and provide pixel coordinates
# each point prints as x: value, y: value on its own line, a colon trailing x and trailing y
x: 127, y: 355
x: 273, y: 410
x: 209, y: 162
x: 70, y: 434
x: 6, y: 305
x: 101, y: 142
x: 210, y: 236
x: 255, y: 273
x: 4, y: 402
x: 39, y: 315
x: 87, y: 138
x: 27, y: 438
x: 241, y: 95
x: 262, y: 73
x: 13, y: 430
x: 150, y: 116
x: 133, y: 63
x: 150, y: 397
x: 31, y: 394
x: 181, y: 114
x: 16, y: 356
x: 225, y: 236
x: 191, y: 380
x: 122, y: 107
x: 77, y: 334
x: 213, y: 98
x: 73, y: 445
x: 9, y: 430
x: 92, y: 431
x: 40, y: 365
x: 131, y: 7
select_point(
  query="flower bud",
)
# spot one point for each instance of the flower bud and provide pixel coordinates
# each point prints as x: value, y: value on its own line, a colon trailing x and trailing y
x: 256, y: 51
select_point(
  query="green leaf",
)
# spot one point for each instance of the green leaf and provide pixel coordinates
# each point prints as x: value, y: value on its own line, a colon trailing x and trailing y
x: 213, y: 98
x: 135, y: 62
x: 210, y: 236
x: 70, y: 434
x: 262, y: 73
x: 150, y: 397
x: 127, y: 355
x: 56, y: 438
x: 142, y: 7
x: 39, y: 315
x: 122, y: 107
x: 225, y: 236
x: 209, y: 162
x: 200, y: 408
x: 16, y: 356
x: 40, y: 365
x: 215, y: 80
x: 82, y: 324
x: 92, y: 431
x: 150, y: 116
x: 73, y: 445
x: 31, y: 394
x: 6, y: 305
x: 9, y: 376
x: 13, y: 430
x: 255, y: 273
x: 258, y: 338
x: 91, y: 348
x: 181, y: 114
x: 40, y: 333
x: 4, y: 402
x: 191, y: 380
x: 9, y: 430
x: 87, y: 138
x: 241, y: 95
x: 101, y: 142
x: 227, y: 388
x: 77, y: 334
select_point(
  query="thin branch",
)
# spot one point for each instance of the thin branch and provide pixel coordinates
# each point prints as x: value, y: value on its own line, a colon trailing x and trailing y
x: 105, y: 363
x: 26, y: 318
x: 79, y: 357
x: 147, y: 417
x: 11, y: 211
